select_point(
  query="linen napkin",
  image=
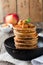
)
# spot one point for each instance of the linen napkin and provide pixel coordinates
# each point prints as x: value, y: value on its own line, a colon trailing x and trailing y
x: 38, y: 61
x: 6, y: 57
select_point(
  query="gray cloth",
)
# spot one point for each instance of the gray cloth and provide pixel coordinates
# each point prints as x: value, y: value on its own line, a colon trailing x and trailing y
x: 38, y: 61
x: 6, y: 57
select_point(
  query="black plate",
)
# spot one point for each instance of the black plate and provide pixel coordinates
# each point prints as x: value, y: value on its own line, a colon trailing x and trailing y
x: 39, y: 30
x: 23, y: 54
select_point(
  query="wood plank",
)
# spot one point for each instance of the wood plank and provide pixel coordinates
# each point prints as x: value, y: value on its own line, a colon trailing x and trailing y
x: 1, y: 12
x: 23, y: 9
x: 36, y: 10
x: 42, y: 10
x: 12, y: 7
x: 9, y: 6
x: 5, y: 6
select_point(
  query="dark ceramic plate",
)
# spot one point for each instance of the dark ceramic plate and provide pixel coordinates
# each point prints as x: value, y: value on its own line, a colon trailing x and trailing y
x: 23, y: 54
x: 39, y: 30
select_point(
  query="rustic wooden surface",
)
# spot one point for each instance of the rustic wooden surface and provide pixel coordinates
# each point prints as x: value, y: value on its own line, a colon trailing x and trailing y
x: 30, y: 8
x: 12, y: 7
x: 24, y: 8
x: 8, y: 6
x: 42, y: 10
x: 36, y: 10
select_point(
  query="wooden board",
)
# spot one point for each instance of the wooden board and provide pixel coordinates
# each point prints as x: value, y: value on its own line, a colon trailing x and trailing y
x: 12, y: 7
x: 36, y: 10
x: 1, y: 13
x: 9, y: 6
x: 6, y: 7
x: 42, y: 10
x: 23, y: 9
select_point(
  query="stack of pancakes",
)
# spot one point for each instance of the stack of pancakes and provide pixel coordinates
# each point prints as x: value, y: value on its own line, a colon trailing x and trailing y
x: 25, y: 36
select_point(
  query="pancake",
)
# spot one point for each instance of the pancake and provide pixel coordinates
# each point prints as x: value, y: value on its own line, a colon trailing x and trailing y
x: 22, y: 44
x: 27, y: 35
x: 26, y: 45
x: 26, y: 40
x: 26, y: 31
x: 30, y: 27
x: 22, y: 33
x: 22, y: 47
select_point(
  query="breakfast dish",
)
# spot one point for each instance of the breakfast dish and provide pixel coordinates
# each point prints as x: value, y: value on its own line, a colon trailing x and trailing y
x: 26, y: 36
